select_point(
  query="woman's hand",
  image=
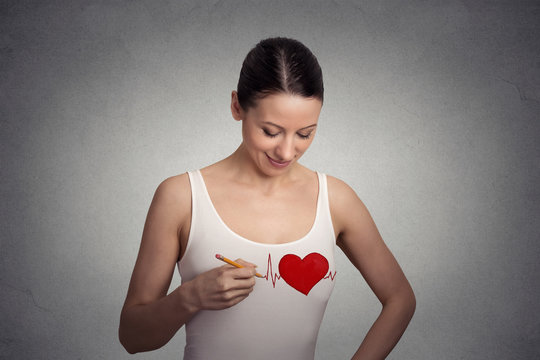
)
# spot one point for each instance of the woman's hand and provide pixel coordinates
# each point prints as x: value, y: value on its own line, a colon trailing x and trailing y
x: 223, y: 287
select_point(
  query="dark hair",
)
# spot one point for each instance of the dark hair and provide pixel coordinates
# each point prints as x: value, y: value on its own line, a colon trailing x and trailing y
x: 279, y: 65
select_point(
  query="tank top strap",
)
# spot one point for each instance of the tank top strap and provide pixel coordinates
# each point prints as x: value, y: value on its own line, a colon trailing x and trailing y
x: 199, y: 192
x: 197, y: 185
x: 201, y: 207
x: 324, y: 217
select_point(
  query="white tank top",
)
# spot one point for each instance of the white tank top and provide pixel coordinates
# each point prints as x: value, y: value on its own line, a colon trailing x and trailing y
x: 280, y: 319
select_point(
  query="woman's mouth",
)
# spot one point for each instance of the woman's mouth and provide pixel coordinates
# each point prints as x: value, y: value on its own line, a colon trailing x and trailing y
x: 278, y: 164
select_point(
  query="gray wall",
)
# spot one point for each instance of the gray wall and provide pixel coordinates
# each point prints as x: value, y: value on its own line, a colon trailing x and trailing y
x: 431, y: 115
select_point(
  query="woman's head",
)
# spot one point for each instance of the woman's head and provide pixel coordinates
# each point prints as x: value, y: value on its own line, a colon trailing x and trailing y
x: 279, y: 65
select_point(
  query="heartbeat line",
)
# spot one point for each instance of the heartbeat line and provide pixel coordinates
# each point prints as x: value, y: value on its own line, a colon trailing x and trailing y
x: 269, y: 272
x: 274, y: 277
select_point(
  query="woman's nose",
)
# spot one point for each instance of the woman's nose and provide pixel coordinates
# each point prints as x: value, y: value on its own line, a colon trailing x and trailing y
x: 286, y: 149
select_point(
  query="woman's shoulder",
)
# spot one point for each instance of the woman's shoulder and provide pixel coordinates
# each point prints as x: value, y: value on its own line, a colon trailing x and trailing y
x: 170, y: 209
x: 344, y: 202
x: 338, y: 188
x: 174, y: 190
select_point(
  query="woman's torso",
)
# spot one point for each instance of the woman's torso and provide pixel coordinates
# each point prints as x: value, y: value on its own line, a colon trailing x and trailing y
x: 281, y: 317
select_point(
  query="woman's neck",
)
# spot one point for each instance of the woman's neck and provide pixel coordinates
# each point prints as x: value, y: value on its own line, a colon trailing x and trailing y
x: 240, y: 167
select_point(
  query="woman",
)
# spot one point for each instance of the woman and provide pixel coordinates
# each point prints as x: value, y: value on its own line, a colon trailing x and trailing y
x: 259, y: 204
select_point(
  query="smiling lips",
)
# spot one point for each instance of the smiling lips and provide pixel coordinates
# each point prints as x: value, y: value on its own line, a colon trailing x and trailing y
x: 278, y: 164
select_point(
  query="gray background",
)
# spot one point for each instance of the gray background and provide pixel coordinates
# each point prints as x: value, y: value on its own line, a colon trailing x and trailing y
x: 431, y: 115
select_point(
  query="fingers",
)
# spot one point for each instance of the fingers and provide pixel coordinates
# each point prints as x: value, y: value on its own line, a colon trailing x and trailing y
x: 231, y: 298
x: 224, y: 286
x: 225, y: 290
x: 247, y: 271
x: 234, y: 285
x: 245, y: 263
x: 235, y: 278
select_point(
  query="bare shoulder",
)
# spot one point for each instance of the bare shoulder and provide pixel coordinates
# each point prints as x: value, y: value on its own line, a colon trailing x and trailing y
x: 339, y: 187
x: 175, y: 188
x: 341, y: 195
x: 345, y: 205
x: 173, y: 197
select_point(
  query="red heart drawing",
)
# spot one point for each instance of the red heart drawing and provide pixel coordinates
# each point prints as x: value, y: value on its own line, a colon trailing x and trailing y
x: 303, y: 274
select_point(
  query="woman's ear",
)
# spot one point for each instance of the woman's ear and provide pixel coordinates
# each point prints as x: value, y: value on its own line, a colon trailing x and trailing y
x: 236, y: 109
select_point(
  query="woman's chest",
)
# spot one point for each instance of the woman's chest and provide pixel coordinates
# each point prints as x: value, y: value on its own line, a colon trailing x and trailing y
x: 267, y: 218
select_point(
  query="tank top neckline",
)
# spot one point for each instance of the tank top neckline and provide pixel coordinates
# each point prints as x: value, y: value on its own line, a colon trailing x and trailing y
x: 242, y: 238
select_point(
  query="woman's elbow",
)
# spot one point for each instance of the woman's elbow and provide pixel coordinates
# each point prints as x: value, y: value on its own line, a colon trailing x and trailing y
x: 135, y: 342
x: 127, y: 335
x: 403, y: 301
x: 411, y: 303
x: 408, y: 301
x: 130, y: 348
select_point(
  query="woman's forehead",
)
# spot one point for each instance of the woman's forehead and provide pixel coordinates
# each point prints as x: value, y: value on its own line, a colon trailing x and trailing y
x: 281, y: 109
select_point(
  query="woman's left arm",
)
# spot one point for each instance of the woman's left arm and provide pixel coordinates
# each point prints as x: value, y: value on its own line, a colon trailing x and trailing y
x: 360, y: 240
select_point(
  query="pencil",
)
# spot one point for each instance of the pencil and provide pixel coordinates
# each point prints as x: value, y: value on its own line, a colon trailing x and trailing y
x: 233, y: 263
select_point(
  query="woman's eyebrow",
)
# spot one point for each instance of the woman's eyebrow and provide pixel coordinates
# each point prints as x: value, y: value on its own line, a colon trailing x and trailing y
x: 281, y: 127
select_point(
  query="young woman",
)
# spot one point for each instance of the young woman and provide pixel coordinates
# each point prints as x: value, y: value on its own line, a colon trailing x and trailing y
x: 260, y: 205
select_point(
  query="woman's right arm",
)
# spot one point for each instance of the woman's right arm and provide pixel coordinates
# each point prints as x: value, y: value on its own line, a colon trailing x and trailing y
x: 150, y: 317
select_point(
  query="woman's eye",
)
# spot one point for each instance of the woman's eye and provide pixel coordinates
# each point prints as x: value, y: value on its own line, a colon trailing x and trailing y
x: 305, y: 136
x: 268, y: 133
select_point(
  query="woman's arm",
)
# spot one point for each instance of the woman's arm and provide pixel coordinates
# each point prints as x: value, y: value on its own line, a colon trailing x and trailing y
x: 150, y: 317
x: 360, y: 240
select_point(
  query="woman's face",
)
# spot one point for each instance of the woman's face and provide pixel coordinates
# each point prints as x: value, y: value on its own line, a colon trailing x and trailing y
x: 278, y: 130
